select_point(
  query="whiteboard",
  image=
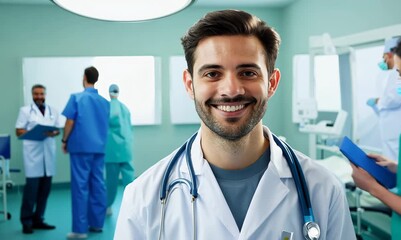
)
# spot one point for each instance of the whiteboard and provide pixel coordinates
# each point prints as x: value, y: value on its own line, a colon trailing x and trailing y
x: 63, y: 76
x: 182, y: 107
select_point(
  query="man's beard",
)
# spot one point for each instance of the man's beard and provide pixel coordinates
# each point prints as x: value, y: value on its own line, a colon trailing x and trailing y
x: 234, y: 132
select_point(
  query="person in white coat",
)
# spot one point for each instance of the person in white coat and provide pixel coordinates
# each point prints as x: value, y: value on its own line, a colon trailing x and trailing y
x: 245, y: 188
x: 39, y: 160
x: 388, y: 105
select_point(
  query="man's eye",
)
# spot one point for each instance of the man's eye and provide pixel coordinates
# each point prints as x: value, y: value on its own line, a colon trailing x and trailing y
x: 212, y: 74
x: 248, y: 74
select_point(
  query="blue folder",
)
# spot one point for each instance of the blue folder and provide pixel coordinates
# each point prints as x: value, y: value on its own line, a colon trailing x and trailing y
x: 37, y: 133
x: 5, y: 146
x: 358, y: 157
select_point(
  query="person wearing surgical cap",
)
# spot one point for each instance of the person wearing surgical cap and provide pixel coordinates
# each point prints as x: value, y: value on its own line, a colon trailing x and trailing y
x: 363, y: 180
x: 118, y: 148
x: 388, y: 105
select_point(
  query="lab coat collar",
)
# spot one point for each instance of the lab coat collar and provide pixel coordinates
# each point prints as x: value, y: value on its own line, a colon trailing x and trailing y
x: 276, y: 156
x: 37, y: 111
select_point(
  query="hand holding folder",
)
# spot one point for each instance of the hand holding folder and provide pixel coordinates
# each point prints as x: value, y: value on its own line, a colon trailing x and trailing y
x: 358, y: 157
x: 38, y: 133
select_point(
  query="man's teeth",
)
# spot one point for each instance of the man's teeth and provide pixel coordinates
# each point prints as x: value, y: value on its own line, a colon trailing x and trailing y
x: 230, y: 108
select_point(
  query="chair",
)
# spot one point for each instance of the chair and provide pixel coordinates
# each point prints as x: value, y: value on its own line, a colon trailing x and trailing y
x: 4, y: 157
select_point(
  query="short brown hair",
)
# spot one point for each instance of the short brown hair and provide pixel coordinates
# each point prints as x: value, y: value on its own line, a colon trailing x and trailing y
x: 231, y: 22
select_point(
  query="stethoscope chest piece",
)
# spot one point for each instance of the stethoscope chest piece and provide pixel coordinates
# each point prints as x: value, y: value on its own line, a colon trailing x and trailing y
x: 311, y: 231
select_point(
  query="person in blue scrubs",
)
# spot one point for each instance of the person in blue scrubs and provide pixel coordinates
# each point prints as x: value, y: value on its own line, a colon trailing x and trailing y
x: 119, y: 147
x: 85, y: 136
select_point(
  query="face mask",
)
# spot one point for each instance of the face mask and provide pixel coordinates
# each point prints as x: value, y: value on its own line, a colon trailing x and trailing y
x: 399, y: 90
x: 399, y: 86
x: 383, y: 66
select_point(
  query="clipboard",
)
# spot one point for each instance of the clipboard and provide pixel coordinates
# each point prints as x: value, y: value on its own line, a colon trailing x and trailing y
x: 358, y: 157
x: 37, y: 133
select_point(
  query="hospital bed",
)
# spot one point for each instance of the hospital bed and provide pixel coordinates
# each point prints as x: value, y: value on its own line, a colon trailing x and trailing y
x: 372, y: 220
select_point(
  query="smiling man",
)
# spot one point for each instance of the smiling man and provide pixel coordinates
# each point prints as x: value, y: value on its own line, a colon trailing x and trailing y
x: 39, y: 159
x: 241, y: 183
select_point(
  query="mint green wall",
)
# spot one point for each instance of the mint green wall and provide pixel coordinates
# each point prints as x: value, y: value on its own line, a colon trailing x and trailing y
x: 306, y: 18
x: 45, y: 30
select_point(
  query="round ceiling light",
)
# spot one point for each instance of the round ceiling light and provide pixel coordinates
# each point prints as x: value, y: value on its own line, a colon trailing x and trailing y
x: 124, y: 10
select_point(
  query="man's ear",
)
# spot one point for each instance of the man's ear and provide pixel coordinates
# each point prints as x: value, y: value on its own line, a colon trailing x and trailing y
x: 187, y: 79
x: 274, y: 80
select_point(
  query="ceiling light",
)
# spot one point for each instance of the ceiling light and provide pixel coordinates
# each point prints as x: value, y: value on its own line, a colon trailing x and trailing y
x: 124, y: 10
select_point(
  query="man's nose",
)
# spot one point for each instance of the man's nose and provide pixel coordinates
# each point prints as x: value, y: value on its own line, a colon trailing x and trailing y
x: 232, y: 86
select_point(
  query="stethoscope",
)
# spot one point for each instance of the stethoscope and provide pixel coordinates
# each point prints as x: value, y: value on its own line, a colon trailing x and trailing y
x: 33, y: 110
x: 311, y: 229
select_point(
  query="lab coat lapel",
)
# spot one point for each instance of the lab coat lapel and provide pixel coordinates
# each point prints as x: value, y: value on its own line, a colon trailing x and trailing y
x: 211, y: 201
x: 268, y: 195
x: 270, y: 191
x: 211, y: 195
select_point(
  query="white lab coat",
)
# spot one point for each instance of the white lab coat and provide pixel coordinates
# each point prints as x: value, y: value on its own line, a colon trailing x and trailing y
x: 274, y: 208
x: 39, y: 156
x: 389, y: 110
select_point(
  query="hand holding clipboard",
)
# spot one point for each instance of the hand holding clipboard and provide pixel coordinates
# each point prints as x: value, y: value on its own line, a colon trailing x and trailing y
x: 358, y: 157
x: 38, y: 133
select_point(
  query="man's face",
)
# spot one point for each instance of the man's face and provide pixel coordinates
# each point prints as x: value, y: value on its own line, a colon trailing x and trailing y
x: 230, y: 84
x: 388, y: 59
x: 39, y: 96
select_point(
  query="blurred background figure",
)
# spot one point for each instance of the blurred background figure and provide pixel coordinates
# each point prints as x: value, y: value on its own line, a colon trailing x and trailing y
x: 388, y: 105
x: 119, y: 147
x: 366, y: 182
x: 84, y: 138
x: 39, y: 159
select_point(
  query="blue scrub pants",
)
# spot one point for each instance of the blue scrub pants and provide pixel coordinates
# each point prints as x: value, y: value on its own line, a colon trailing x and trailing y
x: 88, y: 191
x: 113, y: 171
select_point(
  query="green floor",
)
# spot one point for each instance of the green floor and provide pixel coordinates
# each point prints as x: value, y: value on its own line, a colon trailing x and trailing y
x: 58, y: 213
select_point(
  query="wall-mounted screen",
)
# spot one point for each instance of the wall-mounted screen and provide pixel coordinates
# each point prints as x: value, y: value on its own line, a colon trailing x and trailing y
x: 136, y: 76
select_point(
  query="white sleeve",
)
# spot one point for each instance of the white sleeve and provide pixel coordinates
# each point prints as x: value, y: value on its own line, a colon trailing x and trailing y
x: 22, y: 120
x: 340, y: 224
x: 129, y: 226
x: 390, y: 98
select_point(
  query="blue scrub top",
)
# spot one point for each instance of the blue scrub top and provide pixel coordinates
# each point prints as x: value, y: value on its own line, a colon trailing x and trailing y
x: 90, y: 113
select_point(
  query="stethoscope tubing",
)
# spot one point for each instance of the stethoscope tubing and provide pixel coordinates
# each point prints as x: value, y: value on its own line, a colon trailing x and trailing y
x: 299, y: 180
x: 193, y: 184
x: 194, y: 188
x: 32, y: 109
